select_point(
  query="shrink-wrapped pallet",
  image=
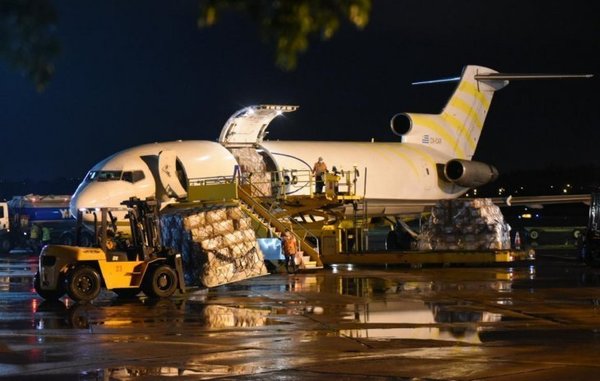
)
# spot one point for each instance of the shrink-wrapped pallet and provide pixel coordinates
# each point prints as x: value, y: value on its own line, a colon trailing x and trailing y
x: 475, y: 224
x: 253, y: 167
x: 195, y: 220
x: 213, y: 252
x: 200, y: 233
x: 243, y: 223
x: 216, y: 215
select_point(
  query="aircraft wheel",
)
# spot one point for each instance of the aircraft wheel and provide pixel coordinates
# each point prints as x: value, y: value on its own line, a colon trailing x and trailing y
x: 161, y: 282
x: 50, y: 295
x: 83, y: 284
x: 126, y: 293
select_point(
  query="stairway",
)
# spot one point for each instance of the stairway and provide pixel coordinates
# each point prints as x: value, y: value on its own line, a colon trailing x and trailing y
x: 273, y: 226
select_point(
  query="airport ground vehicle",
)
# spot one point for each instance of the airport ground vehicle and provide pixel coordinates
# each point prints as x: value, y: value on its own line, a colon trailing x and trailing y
x: 18, y: 215
x: 590, y: 245
x: 125, y: 267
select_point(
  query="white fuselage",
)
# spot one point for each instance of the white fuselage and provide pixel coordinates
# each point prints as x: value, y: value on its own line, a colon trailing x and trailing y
x: 393, y: 175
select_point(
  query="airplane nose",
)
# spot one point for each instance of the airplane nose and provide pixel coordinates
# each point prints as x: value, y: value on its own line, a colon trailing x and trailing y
x: 92, y: 195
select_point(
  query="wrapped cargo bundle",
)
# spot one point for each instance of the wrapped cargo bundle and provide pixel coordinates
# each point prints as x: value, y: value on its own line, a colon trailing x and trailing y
x: 217, y: 244
x: 253, y: 165
x: 475, y: 224
x: 217, y: 316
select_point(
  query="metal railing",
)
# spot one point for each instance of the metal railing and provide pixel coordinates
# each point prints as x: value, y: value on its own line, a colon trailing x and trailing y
x: 263, y: 205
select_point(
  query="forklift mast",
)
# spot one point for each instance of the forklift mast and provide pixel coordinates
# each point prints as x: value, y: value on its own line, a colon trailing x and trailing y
x: 144, y: 224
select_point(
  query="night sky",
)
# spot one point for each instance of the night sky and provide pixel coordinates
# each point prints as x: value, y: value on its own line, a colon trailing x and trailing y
x: 139, y: 71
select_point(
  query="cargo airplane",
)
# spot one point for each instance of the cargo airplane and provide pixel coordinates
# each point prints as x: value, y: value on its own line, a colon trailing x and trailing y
x: 432, y: 161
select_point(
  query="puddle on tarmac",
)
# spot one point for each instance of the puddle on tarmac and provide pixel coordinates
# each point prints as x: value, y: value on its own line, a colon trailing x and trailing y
x: 135, y: 314
x: 194, y: 369
x: 414, y: 319
x: 362, y: 287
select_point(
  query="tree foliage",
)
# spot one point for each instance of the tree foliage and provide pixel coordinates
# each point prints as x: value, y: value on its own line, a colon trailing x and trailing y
x: 290, y: 24
x: 27, y: 38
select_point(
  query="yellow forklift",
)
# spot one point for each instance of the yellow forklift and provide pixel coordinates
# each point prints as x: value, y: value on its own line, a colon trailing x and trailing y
x: 125, y: 266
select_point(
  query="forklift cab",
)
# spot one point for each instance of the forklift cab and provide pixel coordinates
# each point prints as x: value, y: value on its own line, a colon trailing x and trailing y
x: 125, y: 266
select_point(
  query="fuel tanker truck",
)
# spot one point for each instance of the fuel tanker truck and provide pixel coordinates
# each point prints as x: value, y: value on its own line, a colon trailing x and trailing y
x: 19, y: 215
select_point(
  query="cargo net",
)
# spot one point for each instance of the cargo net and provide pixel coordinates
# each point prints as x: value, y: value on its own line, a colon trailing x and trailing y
x: 218, y: 245
x: 254, y: 169
x: 475, y: 224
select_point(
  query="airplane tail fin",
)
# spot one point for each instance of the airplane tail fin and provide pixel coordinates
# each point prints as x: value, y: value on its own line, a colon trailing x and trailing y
x: 456, y: 130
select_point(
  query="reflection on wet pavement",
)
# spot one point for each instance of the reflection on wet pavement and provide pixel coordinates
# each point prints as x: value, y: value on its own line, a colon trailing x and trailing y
x: 430, y: 323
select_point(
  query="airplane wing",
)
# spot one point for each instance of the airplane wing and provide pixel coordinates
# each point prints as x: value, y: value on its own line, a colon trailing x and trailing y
x: 543, y: 200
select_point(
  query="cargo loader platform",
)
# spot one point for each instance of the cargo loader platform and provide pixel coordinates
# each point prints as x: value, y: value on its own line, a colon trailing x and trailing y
x: 417, y: 258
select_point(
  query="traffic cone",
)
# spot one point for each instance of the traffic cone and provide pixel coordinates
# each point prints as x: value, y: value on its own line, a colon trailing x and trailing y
x: 517, y: 241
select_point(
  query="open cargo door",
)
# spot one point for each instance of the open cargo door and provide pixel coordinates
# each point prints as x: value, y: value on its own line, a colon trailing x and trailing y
x: 249, y: 125
x: 169, y: 176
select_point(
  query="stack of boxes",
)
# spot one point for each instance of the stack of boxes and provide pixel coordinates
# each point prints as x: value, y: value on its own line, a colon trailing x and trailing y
x: 475, y: 224
x: 218, y: 244
x: 253, y: 167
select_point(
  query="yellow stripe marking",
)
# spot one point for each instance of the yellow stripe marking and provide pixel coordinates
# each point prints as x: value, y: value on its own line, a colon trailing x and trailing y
x: 403, y: 156
x: 469, y: 111
x: 462, y: 131
x: 432, y: 124
x: 420, y: 151
x: 471, y: 89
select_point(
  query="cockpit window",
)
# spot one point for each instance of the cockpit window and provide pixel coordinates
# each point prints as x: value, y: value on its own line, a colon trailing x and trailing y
x: 129, y: 176
x: 133, y: 176
x: 104, y: 176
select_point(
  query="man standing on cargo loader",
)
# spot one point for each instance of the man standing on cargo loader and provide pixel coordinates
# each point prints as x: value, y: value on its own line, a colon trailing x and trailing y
x: 319, y: 170
x: 290, y: 248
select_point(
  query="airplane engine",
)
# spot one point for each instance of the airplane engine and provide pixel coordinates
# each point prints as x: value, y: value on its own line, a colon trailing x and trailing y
x: 401, y: 124
x: 469, y: 174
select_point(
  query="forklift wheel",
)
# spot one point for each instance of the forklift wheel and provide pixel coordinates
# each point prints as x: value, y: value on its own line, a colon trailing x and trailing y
x: 83, y: 284
x: 161, y: 282
x: 50, y: 295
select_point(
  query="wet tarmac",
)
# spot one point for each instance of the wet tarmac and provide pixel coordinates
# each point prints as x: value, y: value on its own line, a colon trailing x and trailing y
x: 534, y: 321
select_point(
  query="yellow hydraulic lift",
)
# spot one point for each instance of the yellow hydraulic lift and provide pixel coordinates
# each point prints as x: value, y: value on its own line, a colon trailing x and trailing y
x: 330, y: 248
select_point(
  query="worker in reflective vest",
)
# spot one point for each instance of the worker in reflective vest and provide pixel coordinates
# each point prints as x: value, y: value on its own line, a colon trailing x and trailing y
x: 319, y: 170
x: 290, y: 248
x: 45, y: 235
